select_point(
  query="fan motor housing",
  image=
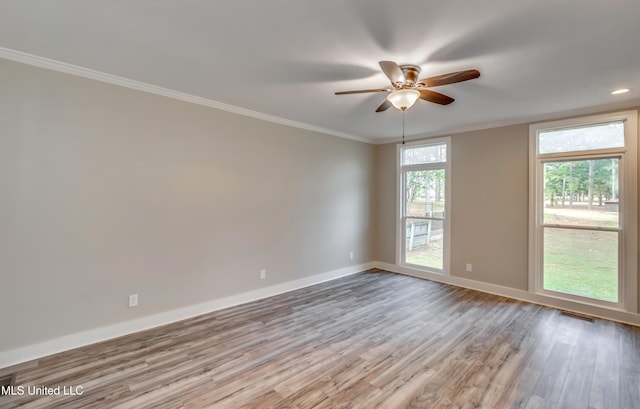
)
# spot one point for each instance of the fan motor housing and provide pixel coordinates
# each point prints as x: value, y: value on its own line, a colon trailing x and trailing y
x: 411, y: 73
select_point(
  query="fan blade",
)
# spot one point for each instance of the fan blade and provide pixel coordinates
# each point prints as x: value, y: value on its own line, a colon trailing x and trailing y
x: 362, y: 91
x: 393, y: 72
x: 384, y: 106
x: 435, y: 97
x: 450, y: 78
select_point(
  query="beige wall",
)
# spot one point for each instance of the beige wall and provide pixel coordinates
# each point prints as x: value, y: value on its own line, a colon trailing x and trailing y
x: 108, y: 191
x: 489, y: 205
x: 386, y: 194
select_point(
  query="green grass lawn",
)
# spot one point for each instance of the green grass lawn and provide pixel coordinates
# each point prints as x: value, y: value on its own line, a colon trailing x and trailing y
x: 581, y: 262
x: 428, y: 256
x: 578, y: 262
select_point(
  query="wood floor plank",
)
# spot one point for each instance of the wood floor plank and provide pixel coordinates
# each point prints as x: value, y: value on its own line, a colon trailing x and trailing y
x: 577, y: 387
x: 371, y: 340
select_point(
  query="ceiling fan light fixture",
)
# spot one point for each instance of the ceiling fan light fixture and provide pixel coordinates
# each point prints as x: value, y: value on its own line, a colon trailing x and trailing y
x: 403, y: 99
x: 407, y: 88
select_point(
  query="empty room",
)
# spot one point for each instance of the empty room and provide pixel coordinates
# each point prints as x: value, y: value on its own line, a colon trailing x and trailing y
x: 302, y: 204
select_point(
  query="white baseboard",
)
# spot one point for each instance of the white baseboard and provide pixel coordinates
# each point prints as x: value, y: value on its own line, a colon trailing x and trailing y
x: 76, y: 340
x: 591, y: 310
x: 31, y: 352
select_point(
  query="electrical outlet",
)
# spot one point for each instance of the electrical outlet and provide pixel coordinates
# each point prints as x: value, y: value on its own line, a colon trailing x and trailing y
x: 351, y: 256
x: 469, y: 267
x: 133, y: 300
x: 263, y: 274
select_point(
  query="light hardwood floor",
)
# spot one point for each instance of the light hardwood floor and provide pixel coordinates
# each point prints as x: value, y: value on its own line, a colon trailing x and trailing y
x: 372, y: 340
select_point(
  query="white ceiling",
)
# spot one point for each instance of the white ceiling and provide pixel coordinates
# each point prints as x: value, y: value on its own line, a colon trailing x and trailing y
x: 286, y: 58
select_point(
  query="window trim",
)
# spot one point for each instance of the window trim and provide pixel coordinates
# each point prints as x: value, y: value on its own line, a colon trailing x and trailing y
x: 400, y: 241
x: 628, y: 280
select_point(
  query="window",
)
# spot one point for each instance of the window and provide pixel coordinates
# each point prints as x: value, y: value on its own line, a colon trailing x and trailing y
x: 423, y: 225
x: 583, y: 223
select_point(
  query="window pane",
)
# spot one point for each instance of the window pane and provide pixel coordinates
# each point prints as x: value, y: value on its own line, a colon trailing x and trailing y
x: 581, y: 262
x: 424, y: 192
x: 599, y: 136
x: 424, y: 154
x: 424, y: 243
x: 581, y: 193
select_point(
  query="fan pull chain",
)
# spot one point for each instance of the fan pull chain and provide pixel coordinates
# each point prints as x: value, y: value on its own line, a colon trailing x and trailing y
x: 403, y: 126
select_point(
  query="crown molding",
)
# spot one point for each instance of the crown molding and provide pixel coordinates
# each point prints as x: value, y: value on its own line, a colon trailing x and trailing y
x: 632, y: 104
x: 49, y: 64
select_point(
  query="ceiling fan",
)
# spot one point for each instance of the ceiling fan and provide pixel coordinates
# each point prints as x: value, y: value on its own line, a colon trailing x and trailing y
x: 407, y: 89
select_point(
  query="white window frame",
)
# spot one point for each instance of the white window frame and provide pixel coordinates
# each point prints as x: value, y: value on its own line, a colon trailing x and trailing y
x: 627, y: 259
x: 400, y: 222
